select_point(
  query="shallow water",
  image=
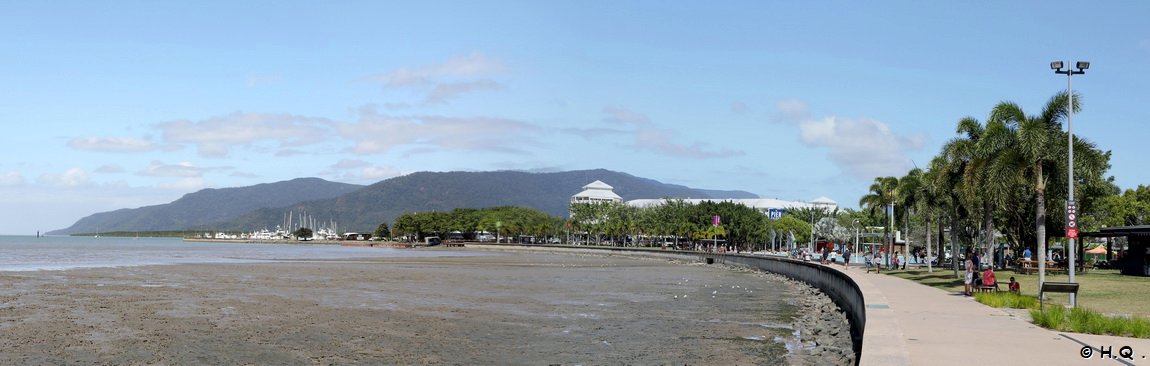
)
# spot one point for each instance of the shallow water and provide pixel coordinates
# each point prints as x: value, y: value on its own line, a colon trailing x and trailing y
x: 30, y: 253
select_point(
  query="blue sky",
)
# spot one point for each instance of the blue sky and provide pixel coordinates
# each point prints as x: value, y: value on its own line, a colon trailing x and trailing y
x: 126, y: 104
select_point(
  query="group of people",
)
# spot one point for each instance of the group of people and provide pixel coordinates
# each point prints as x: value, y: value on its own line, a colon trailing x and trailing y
x: 975, y: 279
x: 876, y: 259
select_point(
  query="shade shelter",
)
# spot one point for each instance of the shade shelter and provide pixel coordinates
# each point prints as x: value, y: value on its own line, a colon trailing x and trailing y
x: 1135, y: 261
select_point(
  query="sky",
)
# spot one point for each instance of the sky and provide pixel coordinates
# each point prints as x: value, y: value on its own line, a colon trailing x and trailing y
x: 123, y: 104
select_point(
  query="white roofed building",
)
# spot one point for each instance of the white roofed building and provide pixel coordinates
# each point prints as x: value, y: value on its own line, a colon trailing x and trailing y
x: 761, y: 204
x: 596, y: 191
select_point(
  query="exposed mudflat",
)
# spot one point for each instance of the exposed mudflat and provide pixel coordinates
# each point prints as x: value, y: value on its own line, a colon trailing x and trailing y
x: 506, y: 308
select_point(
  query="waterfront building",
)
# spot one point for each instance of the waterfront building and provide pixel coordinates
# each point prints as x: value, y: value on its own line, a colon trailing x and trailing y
x: 764, y: 205
x: 596, y: 192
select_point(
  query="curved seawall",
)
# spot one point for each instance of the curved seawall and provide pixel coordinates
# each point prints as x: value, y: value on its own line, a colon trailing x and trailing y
x: 838, y: 286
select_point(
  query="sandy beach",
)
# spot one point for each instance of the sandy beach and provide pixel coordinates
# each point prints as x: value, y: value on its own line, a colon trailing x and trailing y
x: 503, y: 308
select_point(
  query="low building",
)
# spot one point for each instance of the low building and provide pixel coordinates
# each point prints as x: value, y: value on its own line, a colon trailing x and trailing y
x: 764, y: 205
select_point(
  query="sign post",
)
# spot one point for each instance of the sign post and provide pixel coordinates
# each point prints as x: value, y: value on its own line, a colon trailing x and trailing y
x: 1072, y: 220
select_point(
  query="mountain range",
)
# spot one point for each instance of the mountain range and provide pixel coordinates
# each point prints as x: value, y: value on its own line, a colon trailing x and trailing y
x: 362, y: 208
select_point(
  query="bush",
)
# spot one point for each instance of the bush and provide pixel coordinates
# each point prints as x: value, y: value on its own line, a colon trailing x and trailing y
x: 1082, y: 320
x: 1006, y: 300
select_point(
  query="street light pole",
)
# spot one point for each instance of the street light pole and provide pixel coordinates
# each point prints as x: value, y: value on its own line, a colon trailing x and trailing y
x: 811, y: 247
x: 1070, y: 242
x: 890, y: 236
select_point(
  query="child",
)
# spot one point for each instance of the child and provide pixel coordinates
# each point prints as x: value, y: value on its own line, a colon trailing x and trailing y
x: 1014, y: 287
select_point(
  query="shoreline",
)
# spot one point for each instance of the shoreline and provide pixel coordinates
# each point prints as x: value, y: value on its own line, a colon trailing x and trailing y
x: 521, y: 308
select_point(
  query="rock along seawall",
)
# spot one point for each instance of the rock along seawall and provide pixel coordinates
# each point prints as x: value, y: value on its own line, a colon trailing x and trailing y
x: 843, y: 291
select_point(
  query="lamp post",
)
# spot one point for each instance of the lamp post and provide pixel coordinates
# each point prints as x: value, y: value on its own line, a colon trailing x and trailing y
x: 890, y: 233
x: 1072, y: 231
x: 811, y: 246
x: 856, y: 248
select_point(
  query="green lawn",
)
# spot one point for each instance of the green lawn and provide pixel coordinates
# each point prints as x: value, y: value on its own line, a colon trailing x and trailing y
x: 1102, y: 290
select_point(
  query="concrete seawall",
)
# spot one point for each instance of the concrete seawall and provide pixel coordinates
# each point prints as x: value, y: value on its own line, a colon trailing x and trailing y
x: 842, y: 290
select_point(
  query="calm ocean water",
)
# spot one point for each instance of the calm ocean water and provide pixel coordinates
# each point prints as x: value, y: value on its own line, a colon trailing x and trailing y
x: 29, y: 253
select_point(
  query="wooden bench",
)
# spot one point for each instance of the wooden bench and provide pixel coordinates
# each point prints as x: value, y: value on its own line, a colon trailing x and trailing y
x: 988, y: 288
x: 1059, y: 287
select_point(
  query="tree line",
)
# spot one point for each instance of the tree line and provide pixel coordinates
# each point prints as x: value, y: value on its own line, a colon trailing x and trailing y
x: 1008, y: 175
x: 508, y: 221
x: 615, y: 223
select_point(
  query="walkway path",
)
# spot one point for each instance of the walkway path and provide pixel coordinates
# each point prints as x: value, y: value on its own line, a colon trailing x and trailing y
x: 913, y: 324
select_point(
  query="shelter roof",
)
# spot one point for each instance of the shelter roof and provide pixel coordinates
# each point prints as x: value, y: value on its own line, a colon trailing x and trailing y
x: 598, y: 185
x: 824, y: 201
x: 1142, y: 230
x: 599, y: 194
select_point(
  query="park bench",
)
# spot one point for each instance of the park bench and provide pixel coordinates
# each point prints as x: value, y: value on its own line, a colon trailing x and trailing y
x: 988, y: 288
x: 1027, y: 267
x: 1059, y: 287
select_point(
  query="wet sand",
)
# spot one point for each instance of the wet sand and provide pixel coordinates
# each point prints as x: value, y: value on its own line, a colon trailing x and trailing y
x: 506, y: 308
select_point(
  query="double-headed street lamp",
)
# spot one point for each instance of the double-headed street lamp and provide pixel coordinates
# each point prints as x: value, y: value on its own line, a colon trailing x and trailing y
x: 1071, y: 207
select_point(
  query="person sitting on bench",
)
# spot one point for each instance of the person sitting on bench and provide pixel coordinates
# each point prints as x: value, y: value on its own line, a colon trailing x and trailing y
x: 1014, y: 287
x: 988, y: 280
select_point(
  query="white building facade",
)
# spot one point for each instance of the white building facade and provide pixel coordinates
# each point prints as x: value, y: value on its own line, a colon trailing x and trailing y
x: 596, y: 192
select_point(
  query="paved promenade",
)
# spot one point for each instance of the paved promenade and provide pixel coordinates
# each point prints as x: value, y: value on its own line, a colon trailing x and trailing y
x: 913, y: 324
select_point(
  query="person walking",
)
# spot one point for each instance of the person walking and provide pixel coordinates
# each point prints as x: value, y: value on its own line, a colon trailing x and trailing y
x: 846, y: 258
x: 968, y: 280
x: 878, y: 261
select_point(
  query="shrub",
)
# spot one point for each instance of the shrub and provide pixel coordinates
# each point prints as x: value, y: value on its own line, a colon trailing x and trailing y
x: 1082, y: 320
x: 1006, y: 300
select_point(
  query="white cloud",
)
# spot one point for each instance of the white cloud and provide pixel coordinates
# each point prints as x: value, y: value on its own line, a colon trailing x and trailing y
x: 184, y: 184
x: 443, y: 92
x: 256, y: 80
x: 181, y: 169
x: 242, y: 174
x: 617, y: 114
x: 660, y: 141
x: 647, y: 136
x: 376, y: 133
x: 794, y: 111
x: 345, y: 164
x: 110, y: 169
x: 10, y: 179
x: 112, y: 144
x: 74, y: 177
x: 739, y: 107
x: 443, y: 82
x: 595, y: 132
x: 356, y: 170
x: 380, y: 172
x: 289, y: 152
x: 862, y: 148
x: 215, y: 137
x: 471, y: 65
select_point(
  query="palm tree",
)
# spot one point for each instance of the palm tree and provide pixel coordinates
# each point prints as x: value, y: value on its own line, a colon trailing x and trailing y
x: 930, y: 205
x: 909, y: 192
x: 882, y: 194
x: 1033, y: 156
x: 947, y: 172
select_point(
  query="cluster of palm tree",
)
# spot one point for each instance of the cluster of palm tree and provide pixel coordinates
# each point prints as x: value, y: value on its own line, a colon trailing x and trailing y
x: 679, y: 222
x: 1001, y: 176
x: 508, y: 221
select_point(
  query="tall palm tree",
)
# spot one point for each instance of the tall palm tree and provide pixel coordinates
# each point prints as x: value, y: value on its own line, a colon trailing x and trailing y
x: 909, y: 193
x: 930, y: 205
x: 947, y: 170
x: 1033, y: 156
x: 881, y: 194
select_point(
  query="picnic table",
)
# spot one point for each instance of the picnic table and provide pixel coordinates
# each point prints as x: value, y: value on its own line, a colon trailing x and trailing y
x: 1029, y: 266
